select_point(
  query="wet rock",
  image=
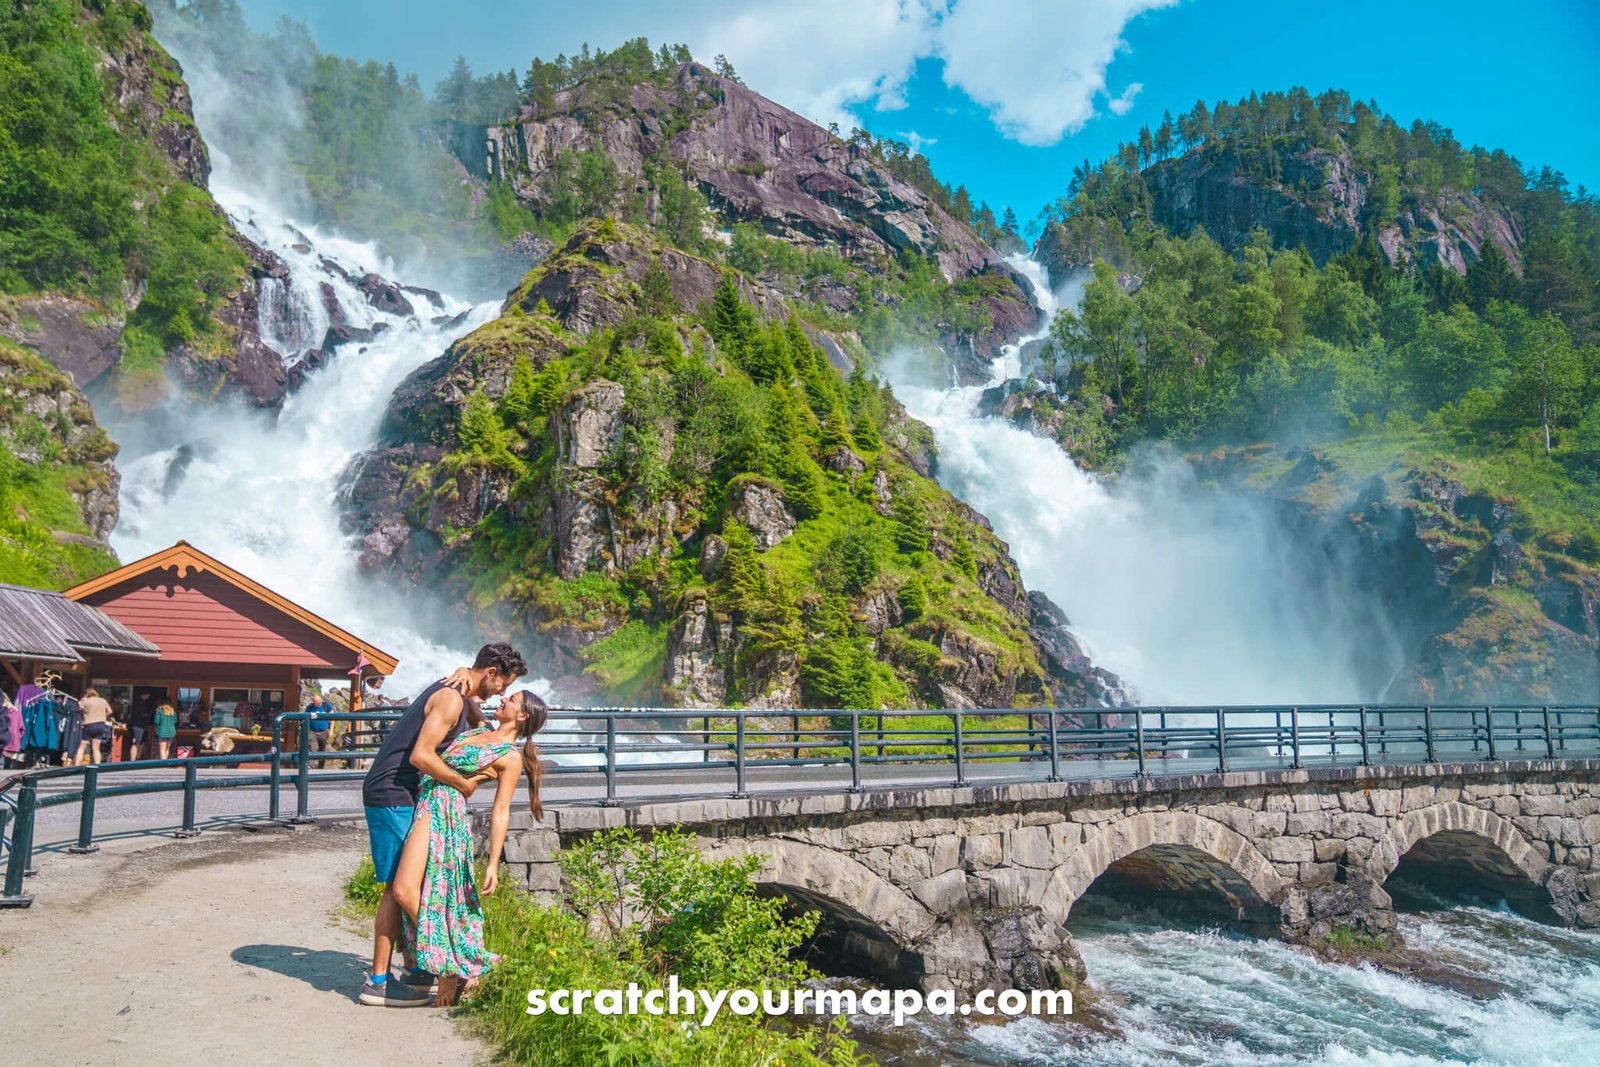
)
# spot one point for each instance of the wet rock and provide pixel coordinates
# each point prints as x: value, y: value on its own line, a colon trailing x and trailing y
x: 696, y: 647
x: 385, y: 296
x: 589, y: 425
x: 713, y: 551
x: 761, y: 507
x: 72, y: 334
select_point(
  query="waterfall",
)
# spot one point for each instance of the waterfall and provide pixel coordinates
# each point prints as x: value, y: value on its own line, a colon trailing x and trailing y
x: 1192, y: 597
x: 260, y: 492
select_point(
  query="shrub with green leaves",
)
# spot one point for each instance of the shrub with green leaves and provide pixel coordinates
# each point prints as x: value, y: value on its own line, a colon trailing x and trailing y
x: 642, y: 909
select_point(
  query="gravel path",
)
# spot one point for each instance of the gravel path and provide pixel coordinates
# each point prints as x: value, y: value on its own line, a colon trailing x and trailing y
x: 231, y: 948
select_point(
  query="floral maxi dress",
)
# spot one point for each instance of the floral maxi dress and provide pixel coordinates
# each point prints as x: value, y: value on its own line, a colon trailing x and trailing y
x: 449, y: 935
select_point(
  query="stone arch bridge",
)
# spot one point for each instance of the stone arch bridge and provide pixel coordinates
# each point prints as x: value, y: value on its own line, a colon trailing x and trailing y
x: 974, y: 886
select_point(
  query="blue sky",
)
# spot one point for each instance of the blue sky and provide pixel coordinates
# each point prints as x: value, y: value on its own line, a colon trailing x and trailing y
x: 1006, y: 96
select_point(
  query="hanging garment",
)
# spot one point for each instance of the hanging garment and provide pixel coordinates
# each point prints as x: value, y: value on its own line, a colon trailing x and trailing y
x: 10, y: 727
x: 41, y: 732
x: 70, y: 721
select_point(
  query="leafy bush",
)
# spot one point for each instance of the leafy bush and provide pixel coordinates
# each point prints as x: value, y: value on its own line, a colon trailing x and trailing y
x: 363, y: 888
x: 640, y: 910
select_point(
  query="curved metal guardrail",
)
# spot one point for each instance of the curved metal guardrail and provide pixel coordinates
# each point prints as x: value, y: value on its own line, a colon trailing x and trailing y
x: 920, y: 747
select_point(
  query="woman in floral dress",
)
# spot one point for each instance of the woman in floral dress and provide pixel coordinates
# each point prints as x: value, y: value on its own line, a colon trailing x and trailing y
x: 435, y: 884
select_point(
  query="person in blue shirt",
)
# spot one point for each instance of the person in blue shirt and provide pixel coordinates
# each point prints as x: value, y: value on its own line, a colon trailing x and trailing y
x: 318, y: 707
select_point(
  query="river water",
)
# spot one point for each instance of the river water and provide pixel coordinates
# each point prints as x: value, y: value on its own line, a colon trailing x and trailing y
x: 1510, y: 992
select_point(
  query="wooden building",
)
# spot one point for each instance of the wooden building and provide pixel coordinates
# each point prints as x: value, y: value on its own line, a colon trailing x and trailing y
x: 232, y: 652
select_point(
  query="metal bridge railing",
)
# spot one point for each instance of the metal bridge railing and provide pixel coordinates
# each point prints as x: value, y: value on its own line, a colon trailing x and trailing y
x: 715, y: 753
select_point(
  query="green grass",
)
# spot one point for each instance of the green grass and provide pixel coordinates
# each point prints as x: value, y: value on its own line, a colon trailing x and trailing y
x: 1348, y: 939
x: 362, y: 890
x: 628, y: 664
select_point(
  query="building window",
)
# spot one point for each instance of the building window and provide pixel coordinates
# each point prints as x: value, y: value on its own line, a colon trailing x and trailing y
x: 230, y: 707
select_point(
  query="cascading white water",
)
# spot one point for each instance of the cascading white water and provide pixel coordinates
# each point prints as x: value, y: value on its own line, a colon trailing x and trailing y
x: 260, y: 492
x: 1192, y: 598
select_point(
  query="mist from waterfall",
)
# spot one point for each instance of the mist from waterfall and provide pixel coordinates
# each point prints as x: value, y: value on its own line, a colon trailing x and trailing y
x: 1193, y: 595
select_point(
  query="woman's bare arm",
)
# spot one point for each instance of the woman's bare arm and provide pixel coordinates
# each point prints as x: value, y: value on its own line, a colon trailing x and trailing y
x: 508, y: 769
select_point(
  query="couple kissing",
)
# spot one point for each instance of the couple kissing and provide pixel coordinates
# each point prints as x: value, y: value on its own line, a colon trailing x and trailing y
x: 420, y: 831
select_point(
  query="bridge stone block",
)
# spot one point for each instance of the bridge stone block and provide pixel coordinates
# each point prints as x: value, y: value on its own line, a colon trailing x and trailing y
x: 981, y: 853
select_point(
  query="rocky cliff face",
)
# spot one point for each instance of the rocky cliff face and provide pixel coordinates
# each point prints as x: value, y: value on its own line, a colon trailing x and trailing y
x: 58, y: 484
x: 755, y: 160
x: 1320, y: 200
x: 608, y: 535
x: 758, y: 162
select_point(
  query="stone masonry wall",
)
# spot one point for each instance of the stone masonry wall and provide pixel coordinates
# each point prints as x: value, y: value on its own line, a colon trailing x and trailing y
x: 973, y: 886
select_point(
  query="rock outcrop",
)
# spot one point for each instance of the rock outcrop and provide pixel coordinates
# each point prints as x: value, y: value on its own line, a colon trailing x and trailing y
x: 55, y: 463
x: 1320, y: 200
x: 597, y: 516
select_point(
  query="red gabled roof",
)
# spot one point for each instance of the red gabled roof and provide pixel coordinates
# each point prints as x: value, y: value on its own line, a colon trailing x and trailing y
x: 186, y: 559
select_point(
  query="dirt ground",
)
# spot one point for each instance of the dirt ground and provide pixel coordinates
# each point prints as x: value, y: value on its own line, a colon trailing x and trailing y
x: 231, y: 947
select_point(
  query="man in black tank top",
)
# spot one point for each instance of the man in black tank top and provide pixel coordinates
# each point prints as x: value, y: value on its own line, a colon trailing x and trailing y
x: 389, y: 794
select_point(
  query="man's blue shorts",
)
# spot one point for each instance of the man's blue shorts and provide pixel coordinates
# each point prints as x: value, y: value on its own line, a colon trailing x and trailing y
x: 387, y: 829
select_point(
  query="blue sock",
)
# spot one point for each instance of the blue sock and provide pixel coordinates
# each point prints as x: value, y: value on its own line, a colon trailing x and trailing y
x: 377, y: 979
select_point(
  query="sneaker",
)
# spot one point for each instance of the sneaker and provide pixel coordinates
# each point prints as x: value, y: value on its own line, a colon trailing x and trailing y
x: 392, y: 994
x: 416, y: 978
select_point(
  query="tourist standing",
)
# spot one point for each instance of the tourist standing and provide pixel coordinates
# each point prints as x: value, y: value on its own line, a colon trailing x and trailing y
x: 317, y: 732
x: 166, y: 722
x: 96, y: 726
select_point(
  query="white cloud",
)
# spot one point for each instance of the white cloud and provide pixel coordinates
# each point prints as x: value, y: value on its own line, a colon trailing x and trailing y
x: 1036, y: 66
x: 1120, y: 105
x: 915, y: 141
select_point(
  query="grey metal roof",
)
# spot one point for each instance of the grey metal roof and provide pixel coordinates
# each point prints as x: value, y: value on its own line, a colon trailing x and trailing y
x: 41, y: 624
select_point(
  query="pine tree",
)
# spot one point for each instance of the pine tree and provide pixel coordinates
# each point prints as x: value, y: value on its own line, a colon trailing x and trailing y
x: 520, y: 403
x: 913, y: 598
x: 910, y: 523
x: 963, y: 558
x: 743, y: 577
x: 866, y: 433
x: 834, y: 433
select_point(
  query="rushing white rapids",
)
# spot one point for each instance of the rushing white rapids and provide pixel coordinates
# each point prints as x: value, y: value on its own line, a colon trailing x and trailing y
x: 260, y: 493
x: 1190, y: 597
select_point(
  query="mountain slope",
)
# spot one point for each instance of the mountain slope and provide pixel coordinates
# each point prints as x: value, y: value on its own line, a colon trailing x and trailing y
x: 651, y: 466
x: 1391, y: 336
x: 119, y: 267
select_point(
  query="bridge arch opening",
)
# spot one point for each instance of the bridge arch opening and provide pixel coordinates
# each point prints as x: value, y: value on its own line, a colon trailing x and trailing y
x: 1181, y: 883
x: 1465, y: 867
x: 846, y: 944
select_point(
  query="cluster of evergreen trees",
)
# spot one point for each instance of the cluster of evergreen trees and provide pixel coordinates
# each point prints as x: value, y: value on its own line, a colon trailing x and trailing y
x: 1211, y: 347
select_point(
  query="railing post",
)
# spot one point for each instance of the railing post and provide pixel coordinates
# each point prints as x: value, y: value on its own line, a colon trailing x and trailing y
x: 1366, y: 747
x: 1055, y: 748
x: 794, y: 737
x: 1138, y: 739
x: 1222, y: 741
x: 855, y: 751
x: 961, y: 753
x: 1427, y: 733
x: 274, y: 804
x: 91, y: 786
x: 738, y: 756
x: 302, y: 776
x: 21, y: 848
x: 705, y: 739
x: 1488, y: 729
x: 611, y: 758
x: 1549, y: 738
x: 188, y: 828
x: 1294, y: 736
